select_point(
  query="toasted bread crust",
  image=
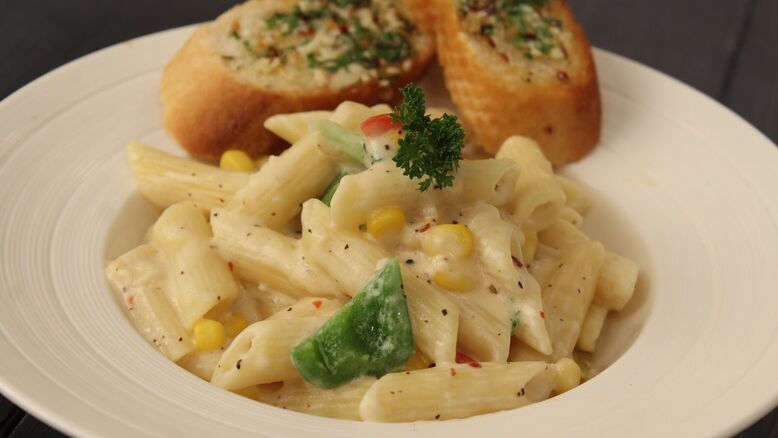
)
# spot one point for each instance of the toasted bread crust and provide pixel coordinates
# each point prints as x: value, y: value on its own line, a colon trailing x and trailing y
x: 562, y: 112
x: 208, y: 109
x: 424, y: 14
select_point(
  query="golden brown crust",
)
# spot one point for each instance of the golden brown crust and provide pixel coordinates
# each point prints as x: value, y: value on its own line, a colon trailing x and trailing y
x: 423, y: 13
x: 561, y: 112
x: 208, y: 109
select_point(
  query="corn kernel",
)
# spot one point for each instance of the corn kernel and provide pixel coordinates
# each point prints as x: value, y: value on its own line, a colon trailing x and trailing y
x: 568, y: 375
x: 418, y: 361
x: 385, y: 220
x: 448, y: 240
x: 234, y: 324
x: 453, y: 280
x: 236, y: 160
x: 529, y: 248
x: 208, y: 334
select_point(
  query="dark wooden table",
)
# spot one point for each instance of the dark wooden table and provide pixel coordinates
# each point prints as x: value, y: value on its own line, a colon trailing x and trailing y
x: 727, y: 49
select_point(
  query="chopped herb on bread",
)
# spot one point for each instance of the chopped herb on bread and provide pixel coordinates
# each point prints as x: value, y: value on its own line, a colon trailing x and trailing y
x: 265, y: 57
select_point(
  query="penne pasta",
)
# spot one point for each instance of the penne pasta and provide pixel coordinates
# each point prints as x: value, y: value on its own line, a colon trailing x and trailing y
x: 484, y: 325
x: 308, y: 306
x: 567, y: 297
x: 491, y: 181
x: 571, y: 216
x: 350, y: 115
x: 329, y: 264
x: 260, y: 353
x: 538, y: 197
x: 268, y: 301
x: 274, y: 195
x: 355, y: 198
x: 592, y: 326
x: 201, y: 363
x: 165, y: 179
x: 293, y: 127
x: 456, y: 391
x: 260, y: 255
x: 138, y: 277
x: 298, y: 395
x: 617, y: 282
x: 575, y: 197
x: 562, y: 234
x: 200, y: 280
x: 509, y: 276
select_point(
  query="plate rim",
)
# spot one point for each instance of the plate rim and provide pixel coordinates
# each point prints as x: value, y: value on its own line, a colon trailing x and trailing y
x: 34, y: 404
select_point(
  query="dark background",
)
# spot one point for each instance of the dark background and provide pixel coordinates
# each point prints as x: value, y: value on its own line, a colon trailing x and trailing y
x: 727, y: 49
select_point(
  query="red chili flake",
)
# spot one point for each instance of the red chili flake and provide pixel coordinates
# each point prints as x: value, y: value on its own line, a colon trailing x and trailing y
x: 307, y: 31
x: 231, y: 266
x: 453, y: 372
x: 504, y: 57
x: 131, y: 300
x: 463, y: 358
x: 562, y: 76
x: 424, y: 227
x: 317, y: 304
x: 542, y: 315
x: 517, y: 262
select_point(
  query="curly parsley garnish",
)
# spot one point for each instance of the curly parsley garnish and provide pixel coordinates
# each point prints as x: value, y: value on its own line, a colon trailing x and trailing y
x: 432, y: 148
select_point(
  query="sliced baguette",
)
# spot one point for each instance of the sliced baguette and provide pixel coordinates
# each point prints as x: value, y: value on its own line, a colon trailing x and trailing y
x: 553, y: 98
x: 217, y: 92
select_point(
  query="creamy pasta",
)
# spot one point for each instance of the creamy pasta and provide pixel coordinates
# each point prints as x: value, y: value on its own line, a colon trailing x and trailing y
x: 326, y: 282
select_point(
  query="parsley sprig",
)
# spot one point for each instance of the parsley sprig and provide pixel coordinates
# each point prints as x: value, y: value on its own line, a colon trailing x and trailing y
x: 431, y: 148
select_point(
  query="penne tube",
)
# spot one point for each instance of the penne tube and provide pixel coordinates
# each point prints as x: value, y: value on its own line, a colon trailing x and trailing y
x: 201, y: 363
x: 260, y: 353
x: 575, y: 197
x: 568, y: 295
x: 260, y: 255
x: 274, y: 195
x: 341, y: 402
x: 592, y: 326
x: 350, y: 115
x: 570, y: 215
x: 484, y: 325
x: 456, y: 391
x: 358, y: 195
x: 538, y: 196
x: 200, y: 280
x: 562, y: 234
x: 293, y: 127
x: 166, y: 179
x: 138, y: 278
x: 568, y: 375
x: 619, y: 274
x: 491, y: 181
x: 508, y: 274
x: 308, y: 306
x: 617, y: 282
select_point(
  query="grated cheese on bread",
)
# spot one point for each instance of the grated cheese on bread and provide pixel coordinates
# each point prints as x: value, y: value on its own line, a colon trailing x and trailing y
x: 265, y: 57
x: 520, y: 67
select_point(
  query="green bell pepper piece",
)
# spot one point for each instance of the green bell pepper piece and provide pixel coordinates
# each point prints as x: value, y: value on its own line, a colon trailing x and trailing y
x: 341, y: 144
x: 326, y: 198
x: 370, y: 335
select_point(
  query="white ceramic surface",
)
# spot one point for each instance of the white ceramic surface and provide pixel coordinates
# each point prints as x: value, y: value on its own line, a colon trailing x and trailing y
x: 682, y: 185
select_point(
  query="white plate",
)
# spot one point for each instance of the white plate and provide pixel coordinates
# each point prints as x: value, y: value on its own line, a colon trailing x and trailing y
x: 684, y: 186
